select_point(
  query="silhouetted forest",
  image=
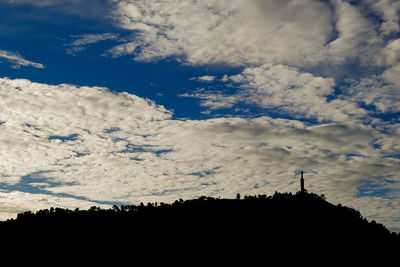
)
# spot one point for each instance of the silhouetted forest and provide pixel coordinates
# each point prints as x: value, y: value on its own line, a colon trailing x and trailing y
x: 245, y: 224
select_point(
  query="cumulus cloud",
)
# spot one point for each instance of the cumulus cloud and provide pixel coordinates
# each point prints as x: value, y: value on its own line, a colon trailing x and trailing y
x: 17, y: 60
x: 283, y: 89
x: 75, y: 146
x: 380, y: 91
x: 231, y: 32
x: 357, y: 38
x: 33, y: 113
x: 301, y: 34
x: 389, y: 10
x: 330, y: 42
x: 391, y: 53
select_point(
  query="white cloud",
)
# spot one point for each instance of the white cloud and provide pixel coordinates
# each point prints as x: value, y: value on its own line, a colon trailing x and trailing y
x: 357, y: 38
x: 392, y: 76
x: 34, y: 112
x: 17, y: 60
x: 381, y: 91
x: 389, y: 10
x: 381, y: 88
x: 325, y: 41
x: 296, y: 33
x: 95, y: 145
x: 214, y: 100
x: 229, y: 32
x: 391, y: 53
x: 205, y: 78
x: 284, y: 89
x: 81, y: 42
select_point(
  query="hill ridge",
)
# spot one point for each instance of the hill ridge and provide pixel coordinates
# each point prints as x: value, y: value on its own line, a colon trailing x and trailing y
x: 280, y: 219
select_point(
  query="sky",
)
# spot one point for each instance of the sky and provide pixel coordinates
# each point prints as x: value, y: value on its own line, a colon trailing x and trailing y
x: 107, y: 102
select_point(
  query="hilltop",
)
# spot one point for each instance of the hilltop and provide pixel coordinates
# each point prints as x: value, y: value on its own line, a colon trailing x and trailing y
x: 284, y: 219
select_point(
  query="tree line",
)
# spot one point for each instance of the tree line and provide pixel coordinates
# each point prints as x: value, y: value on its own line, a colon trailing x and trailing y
x: 282, y: 219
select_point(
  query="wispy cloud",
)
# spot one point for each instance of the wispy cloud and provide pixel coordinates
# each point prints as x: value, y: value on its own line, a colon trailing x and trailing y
x: 82, y: 42
x: 205, y: 78
x: 17, y: 60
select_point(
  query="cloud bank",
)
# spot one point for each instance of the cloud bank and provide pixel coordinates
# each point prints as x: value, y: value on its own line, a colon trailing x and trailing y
x: 78, y: 146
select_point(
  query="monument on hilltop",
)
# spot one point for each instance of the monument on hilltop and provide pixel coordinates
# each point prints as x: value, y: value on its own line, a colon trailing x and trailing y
x: 302, y: 190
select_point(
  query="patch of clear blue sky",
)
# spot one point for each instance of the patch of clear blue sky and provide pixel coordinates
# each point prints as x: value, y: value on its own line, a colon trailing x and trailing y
x: 36, y: 183
x: 380, y: 188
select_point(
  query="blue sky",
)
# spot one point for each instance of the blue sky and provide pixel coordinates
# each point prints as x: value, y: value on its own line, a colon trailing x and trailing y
x: 162, y: 80
x: 88, y: 67
x: 122, y: 101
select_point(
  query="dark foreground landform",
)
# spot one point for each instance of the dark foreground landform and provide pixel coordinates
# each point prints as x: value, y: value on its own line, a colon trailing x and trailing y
x: 284, y: 221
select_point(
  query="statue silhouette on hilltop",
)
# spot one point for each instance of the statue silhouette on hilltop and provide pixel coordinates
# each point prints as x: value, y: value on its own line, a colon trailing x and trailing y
x: 302, y: 190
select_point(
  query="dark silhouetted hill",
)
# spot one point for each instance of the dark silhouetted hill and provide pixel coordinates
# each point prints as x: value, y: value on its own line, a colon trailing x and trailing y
x: 246, y: 227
